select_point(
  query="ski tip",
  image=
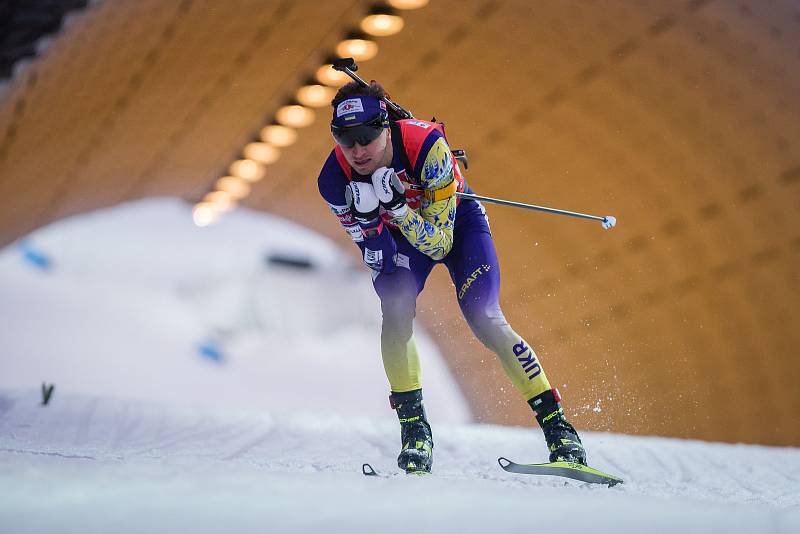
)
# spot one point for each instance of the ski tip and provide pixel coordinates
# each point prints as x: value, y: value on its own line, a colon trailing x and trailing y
x: 504, y: 462
x: 368, y: 470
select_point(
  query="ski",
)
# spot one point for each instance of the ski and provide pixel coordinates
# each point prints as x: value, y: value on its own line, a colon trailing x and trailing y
x: 369, y: 471
x: 561, y: 469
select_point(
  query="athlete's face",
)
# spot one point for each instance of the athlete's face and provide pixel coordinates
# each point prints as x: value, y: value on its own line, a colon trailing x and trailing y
x: 365, y: 159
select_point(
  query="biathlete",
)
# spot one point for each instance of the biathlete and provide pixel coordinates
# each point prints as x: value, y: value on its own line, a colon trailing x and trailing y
x: 392, y: 186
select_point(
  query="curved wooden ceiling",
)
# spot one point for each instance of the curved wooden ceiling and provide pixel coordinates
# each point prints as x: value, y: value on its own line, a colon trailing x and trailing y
x: 679, y: 118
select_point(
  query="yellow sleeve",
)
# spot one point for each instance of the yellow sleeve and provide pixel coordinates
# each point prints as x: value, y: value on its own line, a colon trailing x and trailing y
x: 431, y: 230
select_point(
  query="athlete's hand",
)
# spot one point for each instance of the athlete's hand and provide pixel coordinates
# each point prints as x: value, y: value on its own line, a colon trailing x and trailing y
x: 390, y: 191
x: 360, y: 196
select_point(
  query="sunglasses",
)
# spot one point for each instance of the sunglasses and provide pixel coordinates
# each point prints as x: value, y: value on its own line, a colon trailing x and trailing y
x: 363, y: 133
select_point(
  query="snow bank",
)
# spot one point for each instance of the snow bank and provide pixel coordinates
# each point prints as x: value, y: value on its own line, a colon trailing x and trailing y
x: 136, y: 301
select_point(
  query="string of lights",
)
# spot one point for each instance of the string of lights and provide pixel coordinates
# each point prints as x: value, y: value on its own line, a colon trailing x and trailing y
x: 383, y: 20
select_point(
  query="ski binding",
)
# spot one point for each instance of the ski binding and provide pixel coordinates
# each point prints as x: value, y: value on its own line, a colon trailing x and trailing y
x: 369, y: 471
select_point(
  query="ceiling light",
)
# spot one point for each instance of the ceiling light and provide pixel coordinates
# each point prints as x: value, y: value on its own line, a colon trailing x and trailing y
x: 358, y: 49
x: 222, y: 201
x: 279, y: 136
x: 382, y: 24
x: 204, y: 214
x: 295, y: 116
x: 329, y: 76
x: 247, y: 169
x: 407, y: 4
x: 315, y: 96
x: 236, y: 187
x: 262, y: 153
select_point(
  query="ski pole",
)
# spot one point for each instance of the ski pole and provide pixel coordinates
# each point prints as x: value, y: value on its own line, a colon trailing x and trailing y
x: 609, y: 221
x: 348, y: 66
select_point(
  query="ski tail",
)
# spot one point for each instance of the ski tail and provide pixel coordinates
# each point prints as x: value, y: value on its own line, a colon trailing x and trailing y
x: 368, y: 470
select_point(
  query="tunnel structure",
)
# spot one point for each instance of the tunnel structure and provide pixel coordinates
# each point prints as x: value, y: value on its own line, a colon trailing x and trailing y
x: 679, y: 118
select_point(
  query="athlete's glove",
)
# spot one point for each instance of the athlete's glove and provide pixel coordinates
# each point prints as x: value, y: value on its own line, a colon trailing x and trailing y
x: 390, y: 191
x: 361, y: 199
x: 378, y: 246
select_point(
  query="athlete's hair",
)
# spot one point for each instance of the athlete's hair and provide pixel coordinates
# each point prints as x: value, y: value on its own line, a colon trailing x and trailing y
x: 355, y: 89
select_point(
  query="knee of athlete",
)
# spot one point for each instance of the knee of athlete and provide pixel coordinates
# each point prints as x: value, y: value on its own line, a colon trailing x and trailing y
x: 398, y: 313
x: 488, y: 323
x: 484, y: 316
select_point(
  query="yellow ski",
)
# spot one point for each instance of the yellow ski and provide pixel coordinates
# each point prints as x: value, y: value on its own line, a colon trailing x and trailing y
x: 561, y: 469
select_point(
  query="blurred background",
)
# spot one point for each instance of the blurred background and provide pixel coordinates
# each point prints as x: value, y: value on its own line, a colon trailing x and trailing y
x: 679, y: 118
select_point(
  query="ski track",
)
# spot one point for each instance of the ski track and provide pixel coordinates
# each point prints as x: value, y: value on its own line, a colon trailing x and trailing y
x: 203, y: 431
x: 249, y: 446
x: 140, y: 437
x: 127, y: 425
x: 85, y: 422
x: 737, y: 479
x: 45, y: 453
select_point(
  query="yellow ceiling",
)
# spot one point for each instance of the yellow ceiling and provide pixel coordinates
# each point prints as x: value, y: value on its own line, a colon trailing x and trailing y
x: 679, y: 118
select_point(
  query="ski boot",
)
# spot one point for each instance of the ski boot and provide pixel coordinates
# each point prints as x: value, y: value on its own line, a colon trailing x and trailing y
x: 562, y: 439
x: 416, y: 456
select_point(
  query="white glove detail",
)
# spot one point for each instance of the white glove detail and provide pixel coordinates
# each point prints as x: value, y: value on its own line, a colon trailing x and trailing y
x: 362, y: 197
x: 390, y: 191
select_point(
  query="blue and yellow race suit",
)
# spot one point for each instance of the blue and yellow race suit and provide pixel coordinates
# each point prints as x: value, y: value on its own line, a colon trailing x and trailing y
x: 437, y: 228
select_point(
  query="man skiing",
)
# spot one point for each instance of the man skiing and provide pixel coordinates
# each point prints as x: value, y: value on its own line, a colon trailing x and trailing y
x: 392, y: 186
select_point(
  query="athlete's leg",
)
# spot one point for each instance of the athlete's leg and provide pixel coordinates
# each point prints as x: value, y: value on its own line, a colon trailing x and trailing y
x: 475, y: 272
x: 398, y: 294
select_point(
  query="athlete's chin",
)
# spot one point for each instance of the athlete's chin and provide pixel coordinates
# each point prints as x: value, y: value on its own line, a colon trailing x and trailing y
x: 364, y: 168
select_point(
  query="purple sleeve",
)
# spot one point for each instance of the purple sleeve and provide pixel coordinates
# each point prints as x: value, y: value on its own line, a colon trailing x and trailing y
x: 331, y: 183
x: 379, y: 249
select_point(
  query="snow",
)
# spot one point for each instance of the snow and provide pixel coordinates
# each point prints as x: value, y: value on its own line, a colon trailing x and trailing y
x: 95, y: 463
x: 133, y: 291
x: 144, y: 433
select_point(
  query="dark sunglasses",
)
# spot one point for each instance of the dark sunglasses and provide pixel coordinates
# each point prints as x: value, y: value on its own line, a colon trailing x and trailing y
x: 363, y: 133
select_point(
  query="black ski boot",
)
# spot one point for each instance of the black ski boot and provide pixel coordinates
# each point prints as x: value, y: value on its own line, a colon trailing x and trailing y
x: 562, y: 439
x: 416, y: 456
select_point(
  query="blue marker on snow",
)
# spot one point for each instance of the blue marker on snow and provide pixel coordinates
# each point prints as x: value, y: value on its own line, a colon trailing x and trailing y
x: 34, y: 257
